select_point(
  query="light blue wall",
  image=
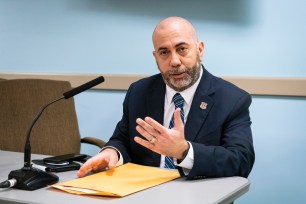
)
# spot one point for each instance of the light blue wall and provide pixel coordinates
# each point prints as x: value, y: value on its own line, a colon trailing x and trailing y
x: 242, y: 38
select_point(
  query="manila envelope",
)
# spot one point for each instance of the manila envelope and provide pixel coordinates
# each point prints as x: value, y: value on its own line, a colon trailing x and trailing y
x: 121, y: 181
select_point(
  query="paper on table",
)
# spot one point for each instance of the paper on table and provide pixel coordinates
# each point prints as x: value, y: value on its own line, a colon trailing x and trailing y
x: 121, y: 181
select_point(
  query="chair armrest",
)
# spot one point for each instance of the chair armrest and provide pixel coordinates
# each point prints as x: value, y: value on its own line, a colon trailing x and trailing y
x: 94, y: 141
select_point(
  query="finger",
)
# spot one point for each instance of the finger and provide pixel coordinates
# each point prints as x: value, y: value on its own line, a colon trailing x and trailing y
x: 143, y: 142
x: 146, y: 127
x: 85, y: 168
x: 154, y: 124
x: 144, y: 133
x: 177, y: 118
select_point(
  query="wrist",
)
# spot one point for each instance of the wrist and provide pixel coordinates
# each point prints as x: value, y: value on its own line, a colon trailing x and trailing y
x: 185, y: 152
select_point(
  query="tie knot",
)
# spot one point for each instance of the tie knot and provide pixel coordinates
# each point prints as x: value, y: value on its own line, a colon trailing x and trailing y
x: 178, y: 100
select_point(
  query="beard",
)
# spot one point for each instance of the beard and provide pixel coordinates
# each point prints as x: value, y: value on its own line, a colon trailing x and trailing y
x: 191, y: 76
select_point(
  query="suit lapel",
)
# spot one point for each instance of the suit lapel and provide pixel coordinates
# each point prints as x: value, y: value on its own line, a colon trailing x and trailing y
x: 200, y: 107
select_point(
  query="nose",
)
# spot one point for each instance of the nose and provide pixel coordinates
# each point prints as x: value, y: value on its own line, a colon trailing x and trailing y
x: 175, y: 60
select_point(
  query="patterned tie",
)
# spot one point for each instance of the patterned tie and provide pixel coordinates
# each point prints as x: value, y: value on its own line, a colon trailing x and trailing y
x: 179, y: 103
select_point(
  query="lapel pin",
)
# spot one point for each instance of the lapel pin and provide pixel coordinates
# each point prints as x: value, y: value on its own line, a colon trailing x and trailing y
x: 203, y: 105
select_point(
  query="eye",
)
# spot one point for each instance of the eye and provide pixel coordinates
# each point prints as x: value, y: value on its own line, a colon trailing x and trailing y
x: 163, y: 52
x: 182, y: 50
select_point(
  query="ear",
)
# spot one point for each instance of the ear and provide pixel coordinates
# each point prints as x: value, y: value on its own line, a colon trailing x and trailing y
x: 154, y: 54
x: 201, y: 49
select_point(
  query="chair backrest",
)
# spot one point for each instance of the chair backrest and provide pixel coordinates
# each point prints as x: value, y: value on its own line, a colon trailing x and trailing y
x: 56, y: 132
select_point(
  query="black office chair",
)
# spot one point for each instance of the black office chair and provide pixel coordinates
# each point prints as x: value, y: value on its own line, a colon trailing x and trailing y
x: 55, y: 133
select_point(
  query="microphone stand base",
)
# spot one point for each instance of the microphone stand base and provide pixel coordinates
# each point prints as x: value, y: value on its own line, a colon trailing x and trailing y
x: 32, y: 179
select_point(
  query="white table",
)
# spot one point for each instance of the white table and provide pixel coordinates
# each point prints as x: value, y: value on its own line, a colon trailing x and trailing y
x: 219, y: 190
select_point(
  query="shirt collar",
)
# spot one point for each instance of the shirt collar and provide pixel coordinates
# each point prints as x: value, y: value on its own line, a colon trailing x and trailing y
x: 187, y: 94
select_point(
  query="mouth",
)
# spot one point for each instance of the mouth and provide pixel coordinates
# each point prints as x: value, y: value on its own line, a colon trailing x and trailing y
x: 178, y: 75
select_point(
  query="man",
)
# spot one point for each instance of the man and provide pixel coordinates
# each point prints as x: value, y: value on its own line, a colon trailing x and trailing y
x: 209, y: 134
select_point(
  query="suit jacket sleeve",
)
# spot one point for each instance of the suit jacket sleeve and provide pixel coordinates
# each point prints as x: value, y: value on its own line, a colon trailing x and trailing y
x: 120, y: 138
x: 137, y: 104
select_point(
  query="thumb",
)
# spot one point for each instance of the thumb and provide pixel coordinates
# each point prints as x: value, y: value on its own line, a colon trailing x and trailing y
x: 113, y: 160
x: 177, y: 118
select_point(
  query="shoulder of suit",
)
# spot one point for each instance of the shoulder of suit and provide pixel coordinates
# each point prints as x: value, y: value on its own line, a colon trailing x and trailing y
x: 226, y: 87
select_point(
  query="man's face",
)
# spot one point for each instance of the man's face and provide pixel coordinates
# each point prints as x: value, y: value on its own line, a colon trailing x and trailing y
x: 178, y: 56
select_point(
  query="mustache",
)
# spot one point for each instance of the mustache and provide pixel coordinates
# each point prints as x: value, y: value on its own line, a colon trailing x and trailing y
x: 177, y: 70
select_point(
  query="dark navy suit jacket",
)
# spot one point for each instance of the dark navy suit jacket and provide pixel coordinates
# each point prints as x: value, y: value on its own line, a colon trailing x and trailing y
x: 220, y: 134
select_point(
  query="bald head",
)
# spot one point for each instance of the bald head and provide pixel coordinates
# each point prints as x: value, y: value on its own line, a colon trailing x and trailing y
x: 173, y: 24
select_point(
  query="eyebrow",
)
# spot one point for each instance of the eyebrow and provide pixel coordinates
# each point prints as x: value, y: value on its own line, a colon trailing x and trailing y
x: 177, y: 45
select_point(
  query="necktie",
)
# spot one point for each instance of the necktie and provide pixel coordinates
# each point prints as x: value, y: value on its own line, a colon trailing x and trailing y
x: 179, y: 103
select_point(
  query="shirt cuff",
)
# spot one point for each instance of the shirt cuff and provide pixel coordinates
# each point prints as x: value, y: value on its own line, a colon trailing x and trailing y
x: 188, y: 161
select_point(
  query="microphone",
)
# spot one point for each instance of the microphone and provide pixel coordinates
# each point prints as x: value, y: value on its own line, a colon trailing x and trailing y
x: 28, y: 177
x: 83, y: 87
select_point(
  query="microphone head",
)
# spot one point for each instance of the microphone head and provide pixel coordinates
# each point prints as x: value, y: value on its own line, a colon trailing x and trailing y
x: 83, y: 87
x: 97, y: 80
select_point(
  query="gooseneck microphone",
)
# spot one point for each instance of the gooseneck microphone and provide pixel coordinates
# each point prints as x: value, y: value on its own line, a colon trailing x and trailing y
x: 28, y: 177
